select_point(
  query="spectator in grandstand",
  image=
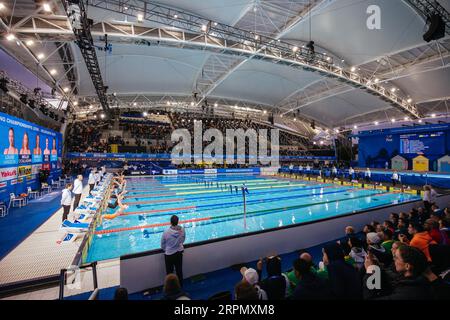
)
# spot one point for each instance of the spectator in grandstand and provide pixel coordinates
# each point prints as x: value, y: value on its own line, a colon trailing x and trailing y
x: 66, y: 200
x: 121, y: 294
x: 387, y: 237
x: 357, y: 252
x: 77, y: 190
x: 11, y: 149
x: 172, y: 244
x: 387, y: 224
x: 276, y: 284
x: 343, y: 278
x: 251, y: 276
x: 374, y: 247
x: 410, y: 263
x: 25, y: 145
x: 172, y: 289
x: 309, y: 286
x: 293, y: 280
x: 393, y: 217
x: 245, y: 291
x: 421, y: 239
x: 432, y: 227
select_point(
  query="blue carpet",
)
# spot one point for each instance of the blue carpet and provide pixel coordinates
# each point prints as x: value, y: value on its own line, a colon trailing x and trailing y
x: 21, y: 222
x: 210, y: 283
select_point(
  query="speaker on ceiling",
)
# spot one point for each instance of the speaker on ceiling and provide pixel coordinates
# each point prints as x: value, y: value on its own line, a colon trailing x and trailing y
x: 436, y: 28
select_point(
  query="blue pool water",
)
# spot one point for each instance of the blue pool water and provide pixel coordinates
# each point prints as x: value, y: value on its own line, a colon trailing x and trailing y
x: 208, y: 209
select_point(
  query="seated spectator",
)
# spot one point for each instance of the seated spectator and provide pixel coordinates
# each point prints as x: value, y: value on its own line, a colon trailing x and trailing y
x: 402, y: 227
x: 343, y: 279
x: 293, y: 280
x: 357, y: 252
x: 374, y: 246
x: 309, y: 286
x: 245, y: 291
x: 251, y: 276
x: 411, y: 264
x: 420, y: 239
x: 440, y: 287
x: 121, y: 294
x: 349, y: 232
x: 276, y: 284
x: 386, y: 236
x: 387, y: 224
x: 432, y: 227
x: 172, y: 289
x: 394, y: 219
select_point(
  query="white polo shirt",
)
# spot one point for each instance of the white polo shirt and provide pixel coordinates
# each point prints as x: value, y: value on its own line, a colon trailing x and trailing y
x: 66, y: 197
x: 91, y: 179
x: 77, y: 186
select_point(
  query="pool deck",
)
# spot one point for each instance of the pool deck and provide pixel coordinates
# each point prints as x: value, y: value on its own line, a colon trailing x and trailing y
x: 39, y: 256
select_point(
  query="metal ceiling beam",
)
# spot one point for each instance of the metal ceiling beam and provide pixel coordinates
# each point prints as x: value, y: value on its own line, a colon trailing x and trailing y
x: 203, y: 41
x: 86, y: 45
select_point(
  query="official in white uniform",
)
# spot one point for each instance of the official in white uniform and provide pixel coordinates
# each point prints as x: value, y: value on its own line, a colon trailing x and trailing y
x: 66, y: 200
x: 77, y: 190
x: 91, y: 180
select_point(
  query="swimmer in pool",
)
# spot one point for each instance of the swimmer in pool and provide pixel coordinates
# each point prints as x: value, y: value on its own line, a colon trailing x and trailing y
x: 118, y: 212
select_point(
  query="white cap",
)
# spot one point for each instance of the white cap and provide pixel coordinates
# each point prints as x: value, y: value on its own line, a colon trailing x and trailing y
x: 250, y: 275
x: 373, y: 237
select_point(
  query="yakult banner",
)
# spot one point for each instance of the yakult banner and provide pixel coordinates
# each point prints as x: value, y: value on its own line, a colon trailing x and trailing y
x: 25, y: 148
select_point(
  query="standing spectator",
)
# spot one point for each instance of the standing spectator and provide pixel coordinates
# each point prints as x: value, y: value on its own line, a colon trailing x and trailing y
x: 66, y: 200
x: 91, y: 180
x: 77, y: 190
x: 172, y: 244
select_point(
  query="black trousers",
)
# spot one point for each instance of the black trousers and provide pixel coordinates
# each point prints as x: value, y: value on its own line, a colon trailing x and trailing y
x: 91, y: 186
x: 175, y: 261
x: 66, y: 212
x: 76, y: 202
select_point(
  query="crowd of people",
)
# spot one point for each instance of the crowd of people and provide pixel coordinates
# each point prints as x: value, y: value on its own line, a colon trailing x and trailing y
x: 406, y: 257
x: 86, y: 136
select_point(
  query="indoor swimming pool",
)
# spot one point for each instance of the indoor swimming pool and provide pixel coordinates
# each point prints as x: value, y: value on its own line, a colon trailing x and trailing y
x: 212, y: 207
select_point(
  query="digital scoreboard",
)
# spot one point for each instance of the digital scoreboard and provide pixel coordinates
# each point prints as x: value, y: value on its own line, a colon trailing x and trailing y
x: 427, y: 143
